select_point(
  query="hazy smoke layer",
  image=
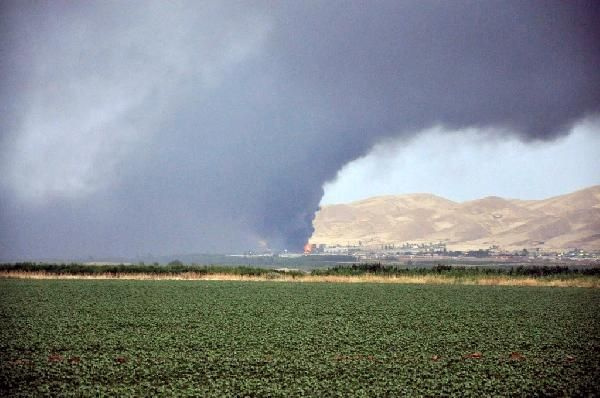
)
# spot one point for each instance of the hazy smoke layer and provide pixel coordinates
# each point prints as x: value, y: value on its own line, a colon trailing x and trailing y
x: 163, y: 127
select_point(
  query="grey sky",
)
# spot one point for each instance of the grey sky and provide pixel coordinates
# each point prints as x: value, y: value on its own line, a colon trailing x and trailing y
x: 166, y: 127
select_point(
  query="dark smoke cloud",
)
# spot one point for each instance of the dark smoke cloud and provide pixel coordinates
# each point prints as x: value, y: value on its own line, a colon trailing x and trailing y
x: 134, y: 128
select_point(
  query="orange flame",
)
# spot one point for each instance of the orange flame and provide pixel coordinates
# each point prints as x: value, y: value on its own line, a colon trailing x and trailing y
x: 307, y: 248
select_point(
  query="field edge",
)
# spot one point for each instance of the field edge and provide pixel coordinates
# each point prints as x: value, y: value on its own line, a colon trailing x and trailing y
x: 485, y: 280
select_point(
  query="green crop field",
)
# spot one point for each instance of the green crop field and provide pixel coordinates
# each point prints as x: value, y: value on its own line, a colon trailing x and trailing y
x: 200, y: 338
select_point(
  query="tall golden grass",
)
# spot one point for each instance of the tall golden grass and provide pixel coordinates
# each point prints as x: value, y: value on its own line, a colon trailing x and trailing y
x: 583, y: 281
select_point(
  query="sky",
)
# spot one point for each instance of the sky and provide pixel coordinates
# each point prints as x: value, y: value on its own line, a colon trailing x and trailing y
x: 487, y: 167
x: 184, y: 127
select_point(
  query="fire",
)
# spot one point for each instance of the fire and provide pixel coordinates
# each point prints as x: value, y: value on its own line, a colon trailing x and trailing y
x: 307, y: 248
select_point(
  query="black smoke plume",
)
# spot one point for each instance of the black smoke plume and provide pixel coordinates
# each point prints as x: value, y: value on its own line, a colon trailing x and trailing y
x: 169, y: 127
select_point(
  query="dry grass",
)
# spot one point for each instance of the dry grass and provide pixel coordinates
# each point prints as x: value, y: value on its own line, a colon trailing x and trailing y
x: 589, y: 282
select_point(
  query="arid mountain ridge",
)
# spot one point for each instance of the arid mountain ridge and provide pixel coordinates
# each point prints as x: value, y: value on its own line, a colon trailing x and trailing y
x: 560, y: 222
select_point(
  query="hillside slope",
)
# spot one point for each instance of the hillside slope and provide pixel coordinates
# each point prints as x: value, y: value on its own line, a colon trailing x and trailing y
x: 571, y: 220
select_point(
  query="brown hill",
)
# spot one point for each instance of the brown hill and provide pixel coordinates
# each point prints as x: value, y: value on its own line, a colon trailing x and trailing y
x: 561, y: 222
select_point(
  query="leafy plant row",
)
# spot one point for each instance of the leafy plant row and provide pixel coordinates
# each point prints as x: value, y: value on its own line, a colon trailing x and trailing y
x: 377, y: 268
x: 175, y: 268
x: 452, y: 270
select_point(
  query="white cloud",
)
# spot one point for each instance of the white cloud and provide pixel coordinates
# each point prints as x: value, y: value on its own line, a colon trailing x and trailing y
x: 469, y: 164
